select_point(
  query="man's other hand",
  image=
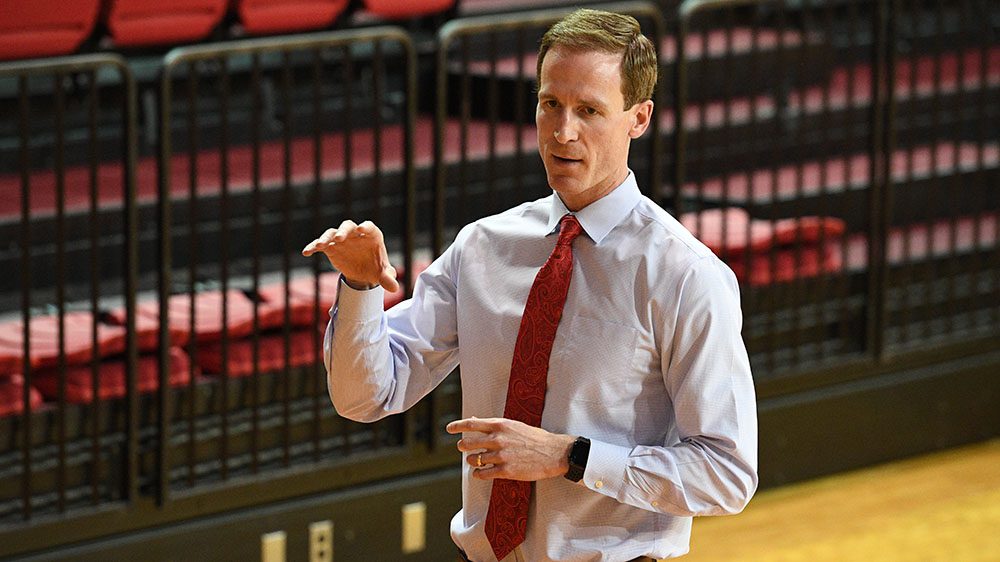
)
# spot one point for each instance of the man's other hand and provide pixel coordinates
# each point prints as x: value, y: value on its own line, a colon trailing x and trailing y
x: 511, y: 449
x: 358, y: 252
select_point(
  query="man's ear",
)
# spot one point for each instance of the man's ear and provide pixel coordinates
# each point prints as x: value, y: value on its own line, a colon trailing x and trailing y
x: 641, y: 118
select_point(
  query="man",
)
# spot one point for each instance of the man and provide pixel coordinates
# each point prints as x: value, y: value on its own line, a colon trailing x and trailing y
x: 598, y: 417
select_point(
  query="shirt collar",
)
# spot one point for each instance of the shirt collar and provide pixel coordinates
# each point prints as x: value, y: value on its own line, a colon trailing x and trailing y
x: 602, y: 216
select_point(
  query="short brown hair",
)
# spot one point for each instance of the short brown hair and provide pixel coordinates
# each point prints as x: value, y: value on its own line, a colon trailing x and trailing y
x: 594, y: 30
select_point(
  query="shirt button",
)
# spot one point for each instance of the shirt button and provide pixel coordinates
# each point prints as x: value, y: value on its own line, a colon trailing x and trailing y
x: 598, y: 484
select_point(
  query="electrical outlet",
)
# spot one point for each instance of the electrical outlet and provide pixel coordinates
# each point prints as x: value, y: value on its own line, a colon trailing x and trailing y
x: 414, y: 527
x: 272, y: 547
x: 321, y: 541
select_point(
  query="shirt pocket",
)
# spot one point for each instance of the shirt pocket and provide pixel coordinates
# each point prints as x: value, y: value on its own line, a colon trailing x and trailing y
x: 594, y: 361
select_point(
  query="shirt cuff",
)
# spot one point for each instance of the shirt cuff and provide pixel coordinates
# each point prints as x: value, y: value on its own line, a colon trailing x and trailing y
x: 358, y: 305
x: 605, y: 471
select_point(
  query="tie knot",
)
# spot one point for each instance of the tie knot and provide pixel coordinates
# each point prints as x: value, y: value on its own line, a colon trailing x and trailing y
x: 569, y: 229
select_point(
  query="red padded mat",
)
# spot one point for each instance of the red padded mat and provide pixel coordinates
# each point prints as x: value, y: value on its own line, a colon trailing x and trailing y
x: 207, y: 314
x: 44, y: 334
x: 111, y: 378
x: 301, y: 301
x: 147, y: 329
x: 762, y: 252
x: 12, y: 395
x: 271, y: 354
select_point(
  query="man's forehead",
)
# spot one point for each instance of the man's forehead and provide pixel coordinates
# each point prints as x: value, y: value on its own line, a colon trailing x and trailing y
x: 586, y: 63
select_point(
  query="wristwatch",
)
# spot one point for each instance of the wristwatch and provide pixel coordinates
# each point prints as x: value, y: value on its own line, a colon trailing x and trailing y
x: 578, y: 455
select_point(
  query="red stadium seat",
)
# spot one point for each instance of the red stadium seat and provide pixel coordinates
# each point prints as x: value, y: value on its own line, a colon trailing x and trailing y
x: 403, y: 9
x: 140, y: 23
x: 282, y: 16
x: 270, y: 355
x: 44, y: 334
x: 45, y: 28
x: 762, y: 252
x: 12, y: 396
x: 111, y: 378
x: 207, y: 313
x: 301, y: 301
x: 147, y: 329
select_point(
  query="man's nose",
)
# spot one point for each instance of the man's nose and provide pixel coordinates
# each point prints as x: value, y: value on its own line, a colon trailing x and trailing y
x: 567, y: 129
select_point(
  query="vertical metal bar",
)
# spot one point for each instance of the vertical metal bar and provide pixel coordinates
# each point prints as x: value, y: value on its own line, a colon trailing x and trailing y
x: 778, y: 298
x: 796, y: 287
x: 491, y: 103
x: 23, y: 147
x: 965, y: 71
x: 840, y: 311
x: 750, y: 292
x: 409, y: 180
x: 519, y: 116
x: 164, y: 280
x: 255, y: 126
x: 655, y: 180
x: 131, y: 260
x: 910, y: 292
x: 348, y: 76
x: 728, y: 100
x: 287, y: 242
x: 982, y: 137
x: 194, y: 142
x: 347, y: 195
x: 466, y: 116
x: 440, y: 123
x: 224, y: 226
x: 60, y: 173
x: 825, y: 199
x: 317, y: 201
x: 878, y: 196
x: 95, y: 448
x: 680, y: 103
x: 378, y: 95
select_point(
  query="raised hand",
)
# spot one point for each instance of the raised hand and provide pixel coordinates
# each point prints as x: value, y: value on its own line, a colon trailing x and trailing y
x: 357, y: 251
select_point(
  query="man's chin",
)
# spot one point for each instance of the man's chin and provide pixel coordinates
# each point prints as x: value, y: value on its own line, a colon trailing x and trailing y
x: 564, y: 184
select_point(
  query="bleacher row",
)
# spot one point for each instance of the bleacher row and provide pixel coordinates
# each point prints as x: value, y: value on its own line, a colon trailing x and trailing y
x: 802, y: 159
x: 49, y: 28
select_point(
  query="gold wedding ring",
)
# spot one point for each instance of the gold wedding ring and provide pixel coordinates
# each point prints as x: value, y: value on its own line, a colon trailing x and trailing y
x: 479, y: 460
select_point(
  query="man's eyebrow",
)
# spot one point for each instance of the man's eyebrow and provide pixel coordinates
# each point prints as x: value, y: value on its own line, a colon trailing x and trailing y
x: 594, y: 103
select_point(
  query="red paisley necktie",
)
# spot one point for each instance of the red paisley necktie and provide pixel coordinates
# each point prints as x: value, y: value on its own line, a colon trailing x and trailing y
x: 507, y: 518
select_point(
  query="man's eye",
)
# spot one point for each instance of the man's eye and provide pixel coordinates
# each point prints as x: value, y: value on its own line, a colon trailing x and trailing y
x: 549, y: 103
x: 590, y: 111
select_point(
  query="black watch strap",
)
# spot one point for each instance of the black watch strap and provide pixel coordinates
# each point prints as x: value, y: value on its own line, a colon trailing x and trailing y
x: 578, y: 455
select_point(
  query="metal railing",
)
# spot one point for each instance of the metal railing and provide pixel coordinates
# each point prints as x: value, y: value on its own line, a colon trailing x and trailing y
x: 330, y: 126
x: 882, y: 140
x: 57, y: 457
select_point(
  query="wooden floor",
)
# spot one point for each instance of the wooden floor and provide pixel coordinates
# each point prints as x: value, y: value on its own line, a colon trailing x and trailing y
x: 941, y: 507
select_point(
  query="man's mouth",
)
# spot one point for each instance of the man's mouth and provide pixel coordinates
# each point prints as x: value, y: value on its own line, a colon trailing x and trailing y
x: 565, y: 160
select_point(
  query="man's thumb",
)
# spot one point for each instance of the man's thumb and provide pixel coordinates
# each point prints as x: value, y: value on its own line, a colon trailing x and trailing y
x: 388, y: 279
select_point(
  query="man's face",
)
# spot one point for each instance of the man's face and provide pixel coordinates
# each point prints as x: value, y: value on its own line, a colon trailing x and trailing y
x: 583, y: 132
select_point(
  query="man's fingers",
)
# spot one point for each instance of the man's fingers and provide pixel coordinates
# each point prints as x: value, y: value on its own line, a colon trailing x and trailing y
x: 488, y: 473
x: 388, y: 279
x: 345, y: 230
x: 320, y: 243
x: 471, y: 424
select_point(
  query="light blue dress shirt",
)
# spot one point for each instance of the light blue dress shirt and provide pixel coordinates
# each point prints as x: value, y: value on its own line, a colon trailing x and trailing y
x: 648, y: 363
